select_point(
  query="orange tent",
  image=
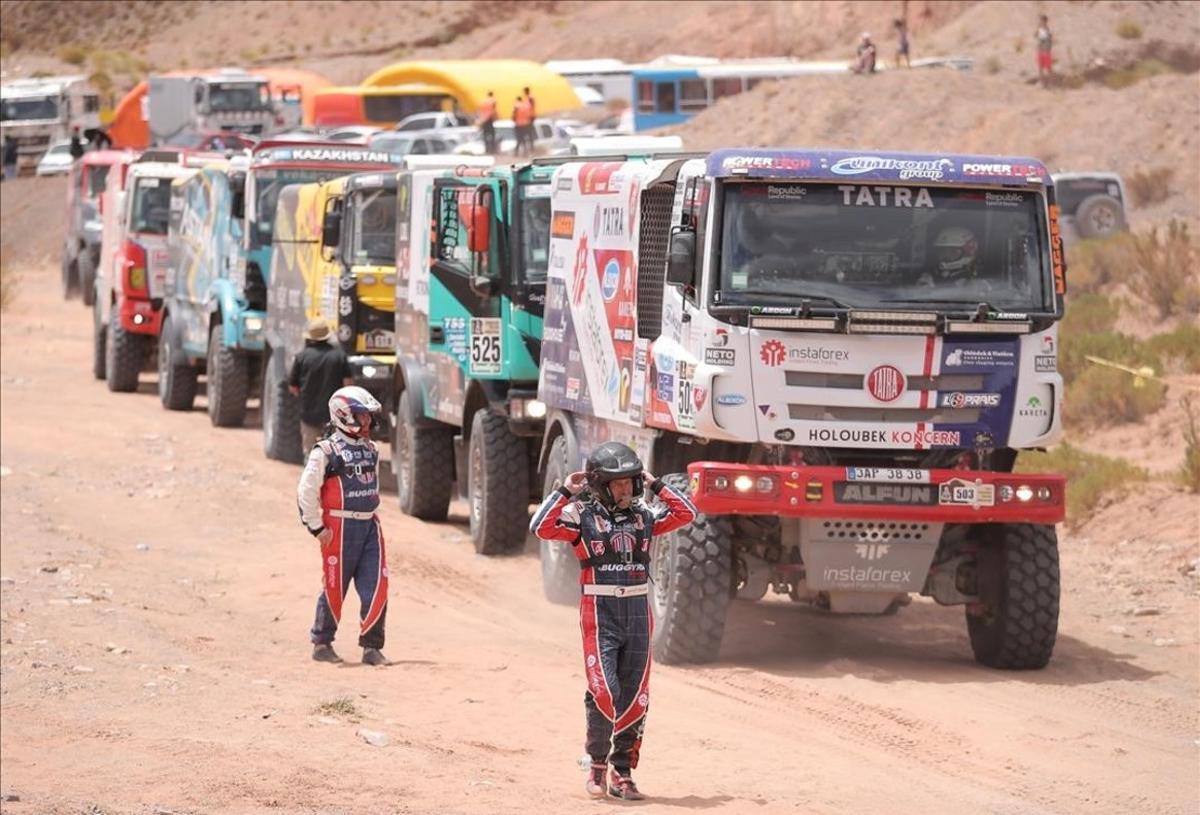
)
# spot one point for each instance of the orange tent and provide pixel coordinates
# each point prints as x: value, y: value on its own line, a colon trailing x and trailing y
x: 129, y: 127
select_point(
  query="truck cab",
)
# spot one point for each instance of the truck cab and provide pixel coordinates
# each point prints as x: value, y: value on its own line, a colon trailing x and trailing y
x: 81, y: 245
x: 846, y: 352
x: 229, y: 99
x: 334, y: 258
x: 39, y: 112
x: 468, y: 340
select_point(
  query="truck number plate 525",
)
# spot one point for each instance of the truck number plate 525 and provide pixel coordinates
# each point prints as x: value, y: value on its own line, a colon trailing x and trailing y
x: 887, y: 474
x: 485, y: 345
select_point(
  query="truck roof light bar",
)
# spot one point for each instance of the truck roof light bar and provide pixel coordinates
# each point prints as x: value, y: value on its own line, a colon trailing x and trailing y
x: 795, y: 323
x: 893, y: 316
x: 890, y: 328
x: 967, y: 327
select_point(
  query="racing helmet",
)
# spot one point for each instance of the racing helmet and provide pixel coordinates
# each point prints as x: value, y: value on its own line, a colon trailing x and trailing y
x: 348, y: 405
x: 609, y: 462
x: 954, y: 249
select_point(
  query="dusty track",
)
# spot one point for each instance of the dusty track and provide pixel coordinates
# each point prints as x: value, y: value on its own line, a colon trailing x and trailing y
x: 205, y: 702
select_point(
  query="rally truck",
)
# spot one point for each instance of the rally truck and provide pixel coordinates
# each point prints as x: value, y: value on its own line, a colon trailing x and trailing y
x: 39, y: 112
x: 218, y: 301
x: 468, y: 339
x: 230, y: 99
x: 847, y: 352
x: 334, y: 257
x: 81, y: 245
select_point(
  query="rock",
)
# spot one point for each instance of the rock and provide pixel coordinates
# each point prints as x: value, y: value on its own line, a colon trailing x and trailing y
x: 49, y: 569
x: 7, y: 581
x: 82, y: 669
x: 266, y: 682
x: 1116, y: 629
x: 9, y: 797
x: 373, y: 737
x: 328, y: 720
x: 1146, y: 611
x: 143, y: 547
x: 1163, y: 642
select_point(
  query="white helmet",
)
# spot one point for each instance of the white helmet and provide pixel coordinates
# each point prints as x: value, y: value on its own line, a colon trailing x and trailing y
x: 955, y: 249
x: 347, y: 405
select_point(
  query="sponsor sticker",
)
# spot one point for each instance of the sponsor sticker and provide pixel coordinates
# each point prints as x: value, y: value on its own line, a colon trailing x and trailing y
x: 1034, y: 408
x: 853, y: 492
x: 720, y: 356
x: 731, y: 399
x: 1045, y: 364
x: 929, y: 169
x: 980, y: 357
x: 856, y: 196
x: 485, y: 345
x: 885, y: 383
x: 563, y: 225
x: 970, y: 400
x: 958, y: 492
x: 786, y: 434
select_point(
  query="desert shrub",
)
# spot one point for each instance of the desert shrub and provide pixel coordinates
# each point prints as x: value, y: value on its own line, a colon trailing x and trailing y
x: 992, y: 65
x: 102, y: 81
x: 1075, y: 348
x: 8, y: 286
x: 1089, y: 313
x: 1093, y: 264
x: 1190, y: 471
x: 73, y: 54
x: 1181, y: 347
x: 1101, y: 395
x: 1090, y: 476
x: 1166, y: 271
x: 1149, y: 186
x: 1018, y: 45
x: 1129, y: 30
x: 1119, y: 78
x: 341, y: 706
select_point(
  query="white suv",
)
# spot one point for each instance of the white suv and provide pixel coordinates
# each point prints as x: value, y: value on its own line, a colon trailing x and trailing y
x: 434, y: 120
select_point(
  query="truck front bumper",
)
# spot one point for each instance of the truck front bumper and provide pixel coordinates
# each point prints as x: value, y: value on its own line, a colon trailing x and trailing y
x: 141, y: 316
x: 877, y: 493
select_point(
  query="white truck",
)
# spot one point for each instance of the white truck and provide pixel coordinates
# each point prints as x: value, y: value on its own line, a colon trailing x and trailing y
x: 846, y: 352
x: 39, y: 112
x: 230, y: 99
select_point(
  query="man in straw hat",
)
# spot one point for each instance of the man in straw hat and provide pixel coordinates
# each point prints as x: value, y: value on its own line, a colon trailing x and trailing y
x: 319, y: 370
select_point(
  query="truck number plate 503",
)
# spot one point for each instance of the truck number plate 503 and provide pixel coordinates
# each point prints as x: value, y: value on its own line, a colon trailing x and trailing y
x: 887, y: 474
x: 485, y: 345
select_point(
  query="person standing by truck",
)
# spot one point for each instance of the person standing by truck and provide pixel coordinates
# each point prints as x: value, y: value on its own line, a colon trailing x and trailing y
x: 522, y: 116
x: 611, y: 530
x: 77, y: 148
x: 487, y: 123
x: 319, y: 370
x: 10, y: 157
x: 337, y: 496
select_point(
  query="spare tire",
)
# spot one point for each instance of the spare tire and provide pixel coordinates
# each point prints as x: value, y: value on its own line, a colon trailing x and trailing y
x: 1099, y: 216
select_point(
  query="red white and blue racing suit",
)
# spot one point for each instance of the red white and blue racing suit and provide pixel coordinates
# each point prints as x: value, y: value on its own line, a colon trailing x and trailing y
x: 339, y: 491
x: 613, y: 547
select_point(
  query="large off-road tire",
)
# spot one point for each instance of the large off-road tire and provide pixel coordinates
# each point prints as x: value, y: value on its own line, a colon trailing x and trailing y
x: 423, y: 462
x: 87, y: 276
x: 228, y: 382
x: 1099, y: 216
x: 280, y: 415
x: 692, y: 571
x: 560, y: 567
x: 125, y: 353
x: 1018, y: 589
x: 99, y: 343
x: 497, y: 485
x: 70, y: 276
x: 177, y: 380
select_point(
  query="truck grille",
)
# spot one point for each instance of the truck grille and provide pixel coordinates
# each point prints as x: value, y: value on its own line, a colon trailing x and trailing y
x: 815, y: 409
x: 652, y: 257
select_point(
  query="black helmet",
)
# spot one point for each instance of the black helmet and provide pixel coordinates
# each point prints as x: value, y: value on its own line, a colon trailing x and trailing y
x: 608, y: 462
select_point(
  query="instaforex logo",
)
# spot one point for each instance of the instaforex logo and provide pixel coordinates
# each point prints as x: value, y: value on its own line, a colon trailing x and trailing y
x: 774, y: 352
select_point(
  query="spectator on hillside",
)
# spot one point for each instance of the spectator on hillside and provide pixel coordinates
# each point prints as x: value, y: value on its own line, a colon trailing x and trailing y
x: 10, y: 157
x: 865, y: 63
x: 1045, y: 44
x: 76, y: 144
x: 902, y: 42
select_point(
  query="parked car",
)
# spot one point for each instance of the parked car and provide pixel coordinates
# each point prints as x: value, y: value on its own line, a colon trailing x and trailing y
x: 548, y: 137
x: 415, y: 144
x: 214, y: 141
x: 433, y: 120
x: 57, y: 160
x: 1090, y: 205
x: 351, y: 134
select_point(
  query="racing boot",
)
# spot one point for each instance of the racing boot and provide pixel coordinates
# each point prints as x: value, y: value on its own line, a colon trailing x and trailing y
x: 595, y: 785
x: 373, y: 656
x: 323, y: 652
x: 620, y: 785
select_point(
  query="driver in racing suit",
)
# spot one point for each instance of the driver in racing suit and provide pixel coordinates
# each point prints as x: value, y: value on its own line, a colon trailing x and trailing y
x: 338, y: 495
x: 611, y: 530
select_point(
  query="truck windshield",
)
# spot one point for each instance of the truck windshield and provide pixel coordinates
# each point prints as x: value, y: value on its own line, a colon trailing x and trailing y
x: 151, y: 206
x: 232, y: 96
x: 29, y: 109
x: 867, y: 245
x: 535, y: 237
x: 373, y: 238
x: 267, y: 186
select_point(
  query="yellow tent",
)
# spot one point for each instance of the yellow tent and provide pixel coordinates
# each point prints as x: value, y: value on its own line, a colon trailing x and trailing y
x: 470, y: 80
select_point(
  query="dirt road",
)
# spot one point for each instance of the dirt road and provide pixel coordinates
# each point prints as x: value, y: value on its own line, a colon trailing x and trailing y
x: 157, y: 591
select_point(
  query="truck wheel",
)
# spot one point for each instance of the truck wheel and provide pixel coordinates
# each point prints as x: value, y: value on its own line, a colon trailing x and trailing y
x: 1018, y: 589
x: 99, y: 344
x: 692, y: 569
x: 497, y: 485
x: 560, y: 567
x: 176, y: 380
x: 280, y: 416
x: 125, y: 353
x: 70, y: 277
x: 87, y: 276
x: 423, y: 461
x: 228, y: 382
x: 1099, y: 216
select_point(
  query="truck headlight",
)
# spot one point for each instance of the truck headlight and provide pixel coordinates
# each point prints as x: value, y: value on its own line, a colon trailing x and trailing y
x: 1024, y: 493
x: 535, y: 409
x: 743, y: 483
x: 253, y: 323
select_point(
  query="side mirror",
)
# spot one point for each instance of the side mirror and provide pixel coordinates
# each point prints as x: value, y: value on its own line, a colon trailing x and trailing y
x: 681, y: 259
x: 237, y: 206
x: 331, y: 230
x: 484, y: 286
